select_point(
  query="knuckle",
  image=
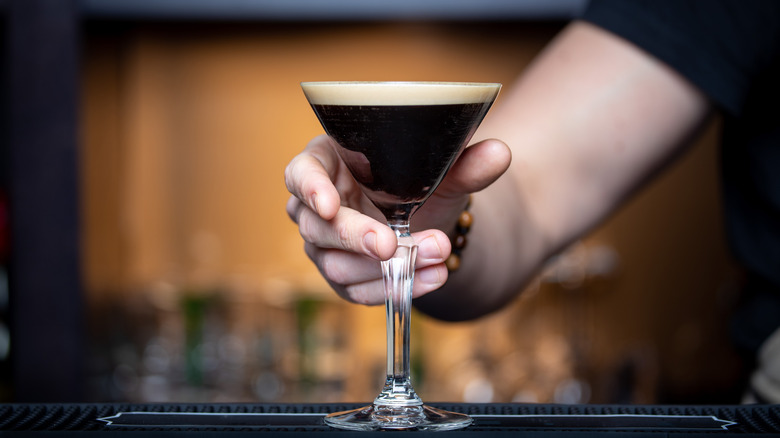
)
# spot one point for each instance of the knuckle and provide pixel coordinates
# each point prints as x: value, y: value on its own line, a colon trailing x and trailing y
x: 306, y: 228
x: 289, y: 173
x: 363, y: 294
x: 333, y: 271
x: 293, y: 204
x: 296, y: 175
x: 311, y: 252
x: 328, y: 265
x: 345, y: 235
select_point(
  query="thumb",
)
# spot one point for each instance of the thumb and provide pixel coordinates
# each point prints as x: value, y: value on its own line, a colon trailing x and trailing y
x: 478, y: 166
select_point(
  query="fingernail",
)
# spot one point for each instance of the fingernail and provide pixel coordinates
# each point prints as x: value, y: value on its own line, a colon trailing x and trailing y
x: 313, y: 202
x: 369, y: 241
x: 429, y: 249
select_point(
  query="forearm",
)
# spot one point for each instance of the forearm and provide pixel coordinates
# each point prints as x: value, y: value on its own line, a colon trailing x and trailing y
x: 588, y: 124
x: 500, y: 257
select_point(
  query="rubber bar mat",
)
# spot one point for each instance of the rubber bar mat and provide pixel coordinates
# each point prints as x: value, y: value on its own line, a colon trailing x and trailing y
x: 738, y: 419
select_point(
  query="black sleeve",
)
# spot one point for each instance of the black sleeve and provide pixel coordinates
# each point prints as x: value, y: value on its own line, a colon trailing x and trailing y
x: 719, y: 45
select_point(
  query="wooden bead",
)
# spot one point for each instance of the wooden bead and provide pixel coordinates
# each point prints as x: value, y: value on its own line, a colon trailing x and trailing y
x: 465, y: 220
x: 460, y: 241
x: 452, y: 262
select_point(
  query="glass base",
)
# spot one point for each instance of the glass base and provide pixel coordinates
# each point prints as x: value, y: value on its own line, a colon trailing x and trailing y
x: 420, y: 417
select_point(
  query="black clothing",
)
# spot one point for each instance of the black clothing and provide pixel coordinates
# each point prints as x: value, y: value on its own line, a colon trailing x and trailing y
x: 729, y: 49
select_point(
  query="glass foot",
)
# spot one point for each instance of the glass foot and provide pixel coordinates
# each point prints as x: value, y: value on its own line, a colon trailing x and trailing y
x: 421, y: 417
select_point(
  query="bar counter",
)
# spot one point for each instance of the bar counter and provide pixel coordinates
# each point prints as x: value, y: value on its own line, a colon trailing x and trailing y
x: 511, y: 419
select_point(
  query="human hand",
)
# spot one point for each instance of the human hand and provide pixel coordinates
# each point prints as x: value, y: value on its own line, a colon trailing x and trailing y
x: 345, y: 235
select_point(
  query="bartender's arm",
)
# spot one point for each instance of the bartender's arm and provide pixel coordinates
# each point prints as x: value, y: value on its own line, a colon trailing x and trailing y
x: 588, y: 123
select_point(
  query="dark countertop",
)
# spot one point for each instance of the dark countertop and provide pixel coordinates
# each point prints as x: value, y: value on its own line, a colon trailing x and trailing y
x: 549, y: 420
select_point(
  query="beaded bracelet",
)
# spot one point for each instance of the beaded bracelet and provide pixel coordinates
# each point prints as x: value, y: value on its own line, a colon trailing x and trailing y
x: 461, y: 229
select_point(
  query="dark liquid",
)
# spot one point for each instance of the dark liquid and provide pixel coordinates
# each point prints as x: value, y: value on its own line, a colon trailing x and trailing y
x: 400, y: 154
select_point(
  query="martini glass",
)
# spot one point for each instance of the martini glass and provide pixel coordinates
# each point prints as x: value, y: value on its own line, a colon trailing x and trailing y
x: 399, y: 139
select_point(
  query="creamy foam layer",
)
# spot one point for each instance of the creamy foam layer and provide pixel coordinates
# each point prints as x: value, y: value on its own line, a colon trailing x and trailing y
x: 399, y: 93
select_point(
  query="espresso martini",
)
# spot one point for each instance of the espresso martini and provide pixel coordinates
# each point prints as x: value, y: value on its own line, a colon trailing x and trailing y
x: 399, y: 139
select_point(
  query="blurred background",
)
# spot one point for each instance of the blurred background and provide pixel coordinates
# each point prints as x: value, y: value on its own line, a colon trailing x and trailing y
x: 147, y: 255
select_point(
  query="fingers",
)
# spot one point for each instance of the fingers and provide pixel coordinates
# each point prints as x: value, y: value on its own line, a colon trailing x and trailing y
x: 309, y: 177
x: 478, y: 166
x: 433, y: 248
x: 348, y: 230
x: 345, y: 244
x: 354, y: 277
x: 357, y: 278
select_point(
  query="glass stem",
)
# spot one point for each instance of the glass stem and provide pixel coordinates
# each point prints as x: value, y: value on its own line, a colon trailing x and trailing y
x: 398, y: 277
